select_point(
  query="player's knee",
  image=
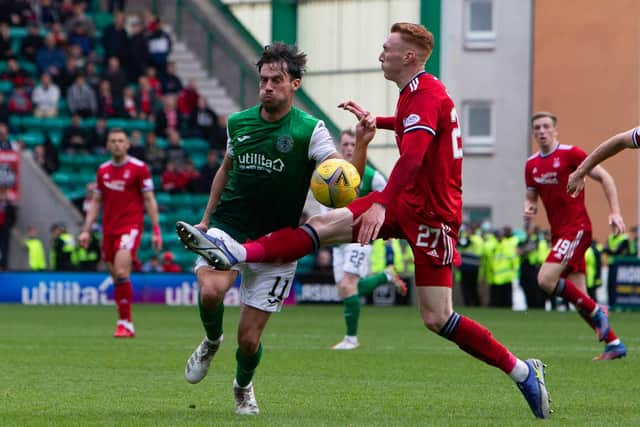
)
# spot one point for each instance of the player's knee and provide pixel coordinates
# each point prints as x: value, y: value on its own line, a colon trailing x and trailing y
x: 547, y: 281
x: 210, y: 296
x: 248, y: 342
x: 433, y: 321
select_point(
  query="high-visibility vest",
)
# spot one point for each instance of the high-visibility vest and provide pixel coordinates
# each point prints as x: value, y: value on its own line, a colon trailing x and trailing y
x: 613, y: 244
x: 590, y: 262
x: 37, y: 258
x: 503, y: 263
x: 379, y: 256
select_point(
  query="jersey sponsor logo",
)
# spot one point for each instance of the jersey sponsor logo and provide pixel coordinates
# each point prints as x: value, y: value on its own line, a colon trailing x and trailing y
x: 256, y: 161
x: 412, y: 119
x: 547, y: 178
x: 243, y: 138
x: 116, y: 185
x: 284, y: 144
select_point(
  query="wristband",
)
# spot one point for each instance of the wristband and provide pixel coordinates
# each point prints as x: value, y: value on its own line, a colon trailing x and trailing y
x: 156, y: 230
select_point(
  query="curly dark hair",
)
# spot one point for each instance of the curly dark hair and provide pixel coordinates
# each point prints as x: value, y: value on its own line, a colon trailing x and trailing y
x: 294, y: 59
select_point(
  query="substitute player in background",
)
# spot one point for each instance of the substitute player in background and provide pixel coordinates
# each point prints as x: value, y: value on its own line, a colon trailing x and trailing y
x: 351, y: 262
x: 563, y: 272
x: 125, y: 188
x: 262, y: 185
x: 422, y: 202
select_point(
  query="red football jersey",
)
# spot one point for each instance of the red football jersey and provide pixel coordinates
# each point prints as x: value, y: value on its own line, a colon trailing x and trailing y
x: 547, y: 175
x: 425, y: 106
x: 121, y: 186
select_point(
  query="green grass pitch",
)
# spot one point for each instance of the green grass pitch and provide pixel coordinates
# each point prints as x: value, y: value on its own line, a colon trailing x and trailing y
x: 61, y: 367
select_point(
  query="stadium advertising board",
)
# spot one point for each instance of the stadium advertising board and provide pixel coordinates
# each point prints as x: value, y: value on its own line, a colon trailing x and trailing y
x: 624, y: 289
x: 51, y: 288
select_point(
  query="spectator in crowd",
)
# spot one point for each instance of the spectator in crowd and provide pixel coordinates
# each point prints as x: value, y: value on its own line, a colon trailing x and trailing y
x: 19, y: 102
x: 154, y: 155
x: 78, y: 36
x: 59, y: 35
x: 35, y: 250
x: 63, y: 248
x: 136, y: 148
x: 191, y: 176
x: 4, y: 110
x: 154, y: 82
x: 145, y: 99
x: 203, y: 123
x: 92, y: 77
x: 50, y: 58
x: 81, y: 99
x: 324, y: 263
x: 45, y: 97
x: 115, y: 40
x: 168, y: 118
x: 208, y: 170
x: 66, y: 10
x: 109, y: 104
x: 46, y: 156
x: 188, y: 99
x: 173, y: 179
x: 98, y: 136
x: 129, y: 105
x: 159, y: 46
x: 171, y: 83
x: 152, y: 265
x: 175, y: 151
x: 169, y: 264
x: 31, y: 43
x: 137, y: 53
x: 46, y: 13
x: 74, y: 138
x: 8, y: 212
x: 75, y: 51
x: 115, y: 76
x: 82, y: 203
x: 16, y: 75
x: 5, y: 143
x: 67, y: 76
x: 5, y: 42
x: 20, y: 13
x: 80, y: 18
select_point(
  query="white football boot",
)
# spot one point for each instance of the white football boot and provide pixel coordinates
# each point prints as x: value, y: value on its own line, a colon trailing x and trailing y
x: 245, y: 399
x: 198, y: 364
x: 347, y: 343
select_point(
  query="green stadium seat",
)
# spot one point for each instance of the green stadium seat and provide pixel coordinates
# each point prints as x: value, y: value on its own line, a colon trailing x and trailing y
x: 163, y: 199
x: 17, y: 32
x: 62, y: 177
x: 6, y: 87
x: 102, y: 20
x: 31, y: 139
x: 29, y: 67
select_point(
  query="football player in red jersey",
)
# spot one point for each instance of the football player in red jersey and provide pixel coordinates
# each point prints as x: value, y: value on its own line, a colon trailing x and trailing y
x: 125, y: 189
x: 421, y: 203
x: 563, y: 272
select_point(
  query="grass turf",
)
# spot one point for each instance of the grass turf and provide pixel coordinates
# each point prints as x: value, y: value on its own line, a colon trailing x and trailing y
x: 60, y: 366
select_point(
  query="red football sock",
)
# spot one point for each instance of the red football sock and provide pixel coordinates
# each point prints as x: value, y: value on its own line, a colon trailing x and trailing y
x: 284, y: 245
x: 611, y: 335
x: 570, y: 292
x: 476, y: 340
x: 122, y: 294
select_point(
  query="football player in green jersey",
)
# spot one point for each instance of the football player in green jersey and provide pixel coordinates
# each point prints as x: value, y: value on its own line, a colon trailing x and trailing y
x: 272, y: 150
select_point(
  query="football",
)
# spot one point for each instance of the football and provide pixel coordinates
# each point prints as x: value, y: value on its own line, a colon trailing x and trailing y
x: 335, y: 183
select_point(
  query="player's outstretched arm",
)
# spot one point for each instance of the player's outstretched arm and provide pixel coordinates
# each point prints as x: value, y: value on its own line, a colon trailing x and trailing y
x: 151, y: 206
x: 217, y: 185
x: 599, y: 174
x: 609, y: 148
x: 92, y: 214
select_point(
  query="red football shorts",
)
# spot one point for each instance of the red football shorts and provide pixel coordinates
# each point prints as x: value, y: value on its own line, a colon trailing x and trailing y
x: 568, y: 249
x: 112, y: 243
x: 433, y: 244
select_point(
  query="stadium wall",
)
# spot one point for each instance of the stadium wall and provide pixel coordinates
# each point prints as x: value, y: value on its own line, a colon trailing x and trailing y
x: 587, y: 71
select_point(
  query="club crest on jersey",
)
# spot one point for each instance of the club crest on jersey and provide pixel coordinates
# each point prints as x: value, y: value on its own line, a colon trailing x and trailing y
x: 412, y: 119
x: 556, y: 162
x: 284, y: 144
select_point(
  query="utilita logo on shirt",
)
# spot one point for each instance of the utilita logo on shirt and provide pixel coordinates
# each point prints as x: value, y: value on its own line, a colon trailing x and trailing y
x: 116, y: 185
x: 255, y: 161
x: 547, y: 178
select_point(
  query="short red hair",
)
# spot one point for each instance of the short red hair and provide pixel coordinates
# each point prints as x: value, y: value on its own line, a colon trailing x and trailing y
x: 416, y: 35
